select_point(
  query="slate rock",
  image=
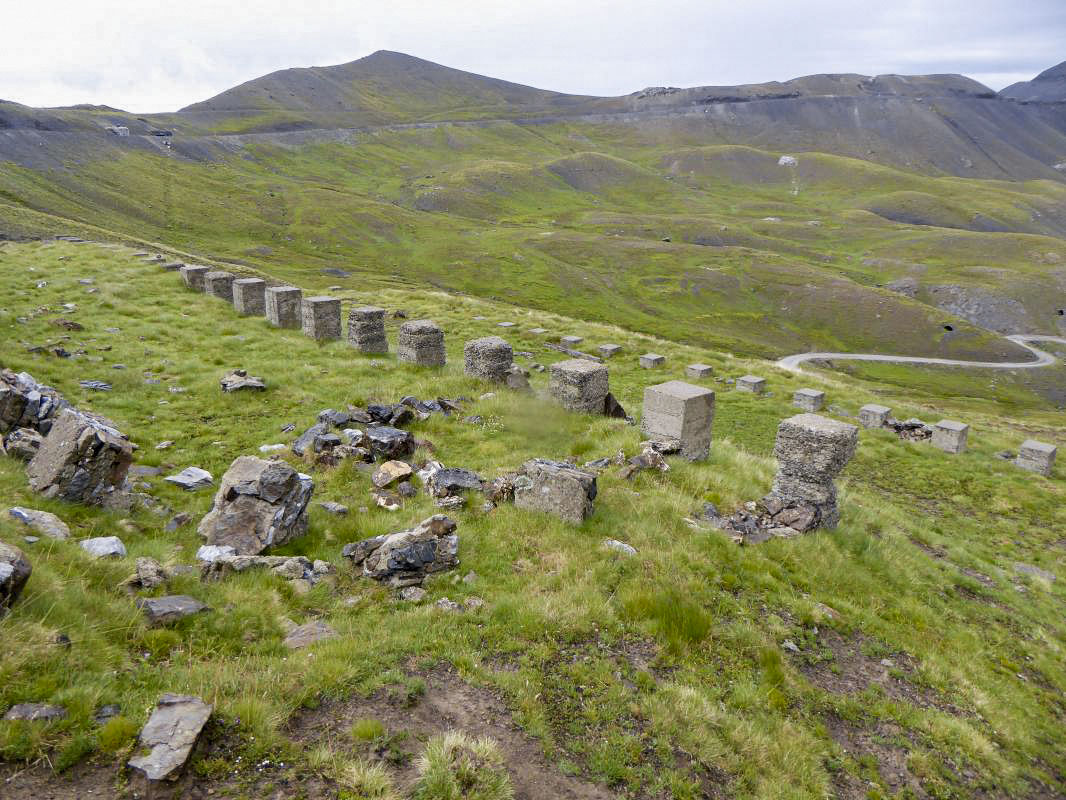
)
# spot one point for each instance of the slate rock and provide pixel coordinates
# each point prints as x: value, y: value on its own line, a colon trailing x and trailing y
x: 304, y: 444
x: 191, y: 478
x: 407, y: 557
x: 35, y: 712
x: 209, y: 553
x: 308, y: 634
x: 83, y: 459
x: 621, y: 547
x: 175, y: 522
x: 23, y: 443
x: 15, y: 570
x: 169, y: 609
x: 41, y: 521
x: 170, y: 735
x: 104, y: 547
x: 149, y: 575
x: 333, y: 508
x: 390, y: 442
x: 390, y: 472
x: 25, y: 403
x: 556, y: 488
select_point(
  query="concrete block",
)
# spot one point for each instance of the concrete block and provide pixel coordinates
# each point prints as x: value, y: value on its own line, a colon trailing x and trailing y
x: 609, y: 350
x: 193, y: 276
x: 681, y: 411
x: 1037, y: 457
x: 652, y: 360
x: 571, y: 341
x: 874, y: 416
x: 489, y: 358
x: 366, y: 329
x: 283, y: 306
x: 249, y: 296
x: 751, y: 383
x: 321, y: 317
x: 219, y: 284
x: 579, y: 385
x: 950, y: 436
x: 808, y: 399
x: 421, y: 342
x: 698, y: 371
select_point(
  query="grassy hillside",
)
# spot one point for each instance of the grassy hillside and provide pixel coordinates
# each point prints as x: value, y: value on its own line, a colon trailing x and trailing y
x: 921, y: 662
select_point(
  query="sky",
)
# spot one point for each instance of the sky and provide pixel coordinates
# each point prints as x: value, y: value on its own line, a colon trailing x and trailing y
x: 163, y: 55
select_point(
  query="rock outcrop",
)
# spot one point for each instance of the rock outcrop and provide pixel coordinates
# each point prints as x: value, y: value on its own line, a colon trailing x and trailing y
x: 15, y: 570
x: 25, y: 403
x: 407, y: 557
x: 84, y: 459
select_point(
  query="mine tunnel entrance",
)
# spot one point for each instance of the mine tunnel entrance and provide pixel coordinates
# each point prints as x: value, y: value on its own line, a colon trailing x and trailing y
x: 949, y: 328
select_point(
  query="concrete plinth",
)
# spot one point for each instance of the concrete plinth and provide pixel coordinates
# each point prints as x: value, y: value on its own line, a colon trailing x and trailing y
x: 681, y: 411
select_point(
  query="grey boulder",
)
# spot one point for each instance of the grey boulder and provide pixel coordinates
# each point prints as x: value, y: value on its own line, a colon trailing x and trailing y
x: 170, y: 735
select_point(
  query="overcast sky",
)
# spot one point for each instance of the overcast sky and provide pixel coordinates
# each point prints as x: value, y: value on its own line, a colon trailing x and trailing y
x: 164, y: 54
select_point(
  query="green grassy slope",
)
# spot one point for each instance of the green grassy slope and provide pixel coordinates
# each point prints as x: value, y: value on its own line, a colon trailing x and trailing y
x: 921, y: 571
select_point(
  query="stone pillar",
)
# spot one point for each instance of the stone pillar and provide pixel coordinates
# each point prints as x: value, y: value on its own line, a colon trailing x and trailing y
x: 421, y: 341
x: 321, y: 317
x: 1037, y: 457
x: 873, y: 415
x: 489, y: 358
x: 579, y: 385
x: 283, y: 306
x: 219, y: 284
x: 751, y: 383
x: 676, y: 410
x: 950, y: 436
x: 698, y: 371
x: 811, y: 450
x: 366, y: 329
x: 652, y: 360
x: 808, y: 399
x: 193, y: 276
x: 249, y: 296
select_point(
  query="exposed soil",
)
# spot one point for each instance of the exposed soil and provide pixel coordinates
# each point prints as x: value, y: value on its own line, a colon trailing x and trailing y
x: 886, y: 744
x: 449, y: 703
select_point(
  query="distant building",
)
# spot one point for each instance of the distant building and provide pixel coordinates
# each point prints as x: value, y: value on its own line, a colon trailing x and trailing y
x: 118, y: 130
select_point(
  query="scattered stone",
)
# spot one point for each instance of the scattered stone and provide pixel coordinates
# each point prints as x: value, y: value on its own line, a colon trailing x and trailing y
x: 191, y: 478
x: 106, y: 712
x: 84, y: 459
x: 271, y: 448
x: 170, y: 609
x: 259, y: 504
x: 41, y: 521
x: 177, y: 521
x: 913, y: 429
x: 682, y: 412
x: 873, y: 415
x: 390, y: 472
x: 790, y: 645
x: 1033, y: 571
x: 809, y: 400
x: 334, y: 508
x: 390, y: 442
x: 579, y: 385
x: 450, y: 481
x: 239, y: 380
x: 950, y: 436
x: 555, y: 488
x: 305, y: 442
x: 621, y: 547
x: 307, y: 634
x: 15, y: 570
x: 22, y: 443
x: 219, y: 284
x: 170, y: 734
x: 505, y: 324
x: 698, y: 371
x: 752, y: 384
x: 104, y: 547
x: 450, y: 606
x: 321, y: 318
x: 537, y: 331
x: 172, y: 266
x: 652, y: 360
x: 148, y: 575
x: 95, y: 386
x: 193, y: 276
x: 421, y: 342
x: 412, y: 594
x: 571, y: 341
x: 489, y: 358
x: 283, y: 306
x: 1037, y: 457
x: 249, y: 296
x: 35, y: 712
x: 366, y: 329
x: 649, y: 458
x: 386, y: 500
x: 406, y: 558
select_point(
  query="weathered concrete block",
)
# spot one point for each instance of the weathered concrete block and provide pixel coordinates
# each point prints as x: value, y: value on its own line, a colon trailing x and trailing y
x: 814, y: 447
x: 555, y: 488
x: 259, y: 504
x: 751, y: 383
x: 84, y: 459
x: 570, y: 341
x: 950, y: 436
x: 421, y: 342
x: 579, y: 385
x: 681, y: 411
x: 652, y: 360
x: 489, y: 358
x: 366, y: 329
x: 1037, y: 457
x: 172, y: 266
x: 609, y: 350
x: 699, y: 371
x: 249, y: 296
x: 219, y: 284
x: 808, y: 399
x: 193, y: 276
x: 874, y: 416
x: 283, y: 306
x: 321, y: 317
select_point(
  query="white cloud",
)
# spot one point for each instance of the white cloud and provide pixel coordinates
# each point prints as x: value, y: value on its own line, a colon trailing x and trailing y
x: 161, y: 56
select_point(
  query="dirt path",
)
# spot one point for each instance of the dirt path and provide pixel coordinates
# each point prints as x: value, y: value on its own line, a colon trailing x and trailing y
x: 1043, y: 359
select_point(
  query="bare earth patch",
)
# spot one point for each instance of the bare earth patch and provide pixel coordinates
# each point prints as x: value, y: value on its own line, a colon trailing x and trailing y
x: 886, y: 744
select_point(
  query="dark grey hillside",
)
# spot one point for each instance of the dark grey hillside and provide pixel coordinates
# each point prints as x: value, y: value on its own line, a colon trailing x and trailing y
x: 1047, y: 87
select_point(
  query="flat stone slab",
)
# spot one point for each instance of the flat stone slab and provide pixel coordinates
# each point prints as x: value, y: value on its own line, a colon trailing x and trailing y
x: 307, y: 634
x: 169, y: 609
x: 104, y: 547
x: 170, y: 734
x: 191, y: 478
x: 751, y: 383
x: 35, y: 712
x: 43, y: 522
x: 609, y: 350
x: 652, y: 360
x: 699, y: 371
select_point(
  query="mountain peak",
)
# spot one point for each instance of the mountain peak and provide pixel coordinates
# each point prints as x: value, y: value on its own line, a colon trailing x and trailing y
x: 1047, y: 87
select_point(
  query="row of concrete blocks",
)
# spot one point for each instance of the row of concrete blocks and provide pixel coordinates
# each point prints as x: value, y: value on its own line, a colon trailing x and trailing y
x: 951, y: 436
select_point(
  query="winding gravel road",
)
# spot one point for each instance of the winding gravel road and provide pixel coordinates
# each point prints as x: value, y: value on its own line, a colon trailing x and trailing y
x: 1043, y: 359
